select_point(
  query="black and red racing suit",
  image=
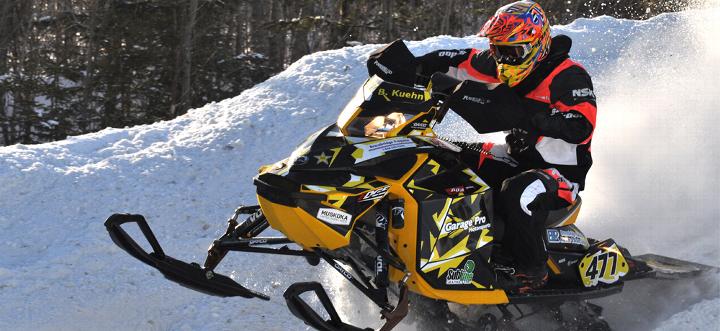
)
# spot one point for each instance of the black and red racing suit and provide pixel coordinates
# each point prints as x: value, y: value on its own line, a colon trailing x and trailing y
x: 559, y: 96
x: 557, y: 106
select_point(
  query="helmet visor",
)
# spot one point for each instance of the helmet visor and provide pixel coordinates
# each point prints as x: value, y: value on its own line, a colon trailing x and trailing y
x: 510, y: 54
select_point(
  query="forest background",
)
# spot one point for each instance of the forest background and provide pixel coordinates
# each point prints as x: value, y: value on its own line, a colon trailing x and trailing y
x: 69, y: 67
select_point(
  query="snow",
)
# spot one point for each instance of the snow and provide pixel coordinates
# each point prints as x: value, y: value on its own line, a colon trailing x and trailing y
x: 653, y: 187
x: 702, y: 316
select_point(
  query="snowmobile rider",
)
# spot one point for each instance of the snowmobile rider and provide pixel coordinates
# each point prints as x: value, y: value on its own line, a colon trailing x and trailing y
x: 546, y: 157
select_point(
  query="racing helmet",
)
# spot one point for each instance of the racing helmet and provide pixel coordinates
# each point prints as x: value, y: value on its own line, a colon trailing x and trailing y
x: 519, y: 36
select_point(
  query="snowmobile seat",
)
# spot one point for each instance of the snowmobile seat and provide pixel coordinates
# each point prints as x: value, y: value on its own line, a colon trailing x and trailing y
x: 564, y: 216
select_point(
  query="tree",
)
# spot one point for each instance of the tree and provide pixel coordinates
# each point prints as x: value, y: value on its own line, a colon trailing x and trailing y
x: 15, y: 22
x: 186, y: 51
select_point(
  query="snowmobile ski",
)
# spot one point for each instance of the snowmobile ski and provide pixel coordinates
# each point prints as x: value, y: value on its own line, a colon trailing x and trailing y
x: 190, y: 275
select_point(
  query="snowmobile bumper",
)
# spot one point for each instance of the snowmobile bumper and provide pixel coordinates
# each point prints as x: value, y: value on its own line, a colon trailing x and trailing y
x: 189, y: 275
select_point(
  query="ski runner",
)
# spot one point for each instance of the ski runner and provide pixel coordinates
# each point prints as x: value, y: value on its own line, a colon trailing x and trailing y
x: 545, y: 159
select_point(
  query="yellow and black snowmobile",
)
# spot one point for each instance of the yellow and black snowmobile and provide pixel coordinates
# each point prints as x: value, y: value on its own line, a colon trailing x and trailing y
x: 392, y: 207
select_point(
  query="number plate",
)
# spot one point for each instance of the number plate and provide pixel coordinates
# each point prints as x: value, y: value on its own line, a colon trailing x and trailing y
x: 604, y: 263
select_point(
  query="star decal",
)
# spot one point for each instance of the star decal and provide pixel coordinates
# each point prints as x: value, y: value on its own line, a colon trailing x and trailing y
x: 322, y: 158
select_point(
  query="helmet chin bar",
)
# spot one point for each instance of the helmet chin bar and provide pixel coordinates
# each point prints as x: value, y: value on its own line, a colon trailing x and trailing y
x: 513, y: 75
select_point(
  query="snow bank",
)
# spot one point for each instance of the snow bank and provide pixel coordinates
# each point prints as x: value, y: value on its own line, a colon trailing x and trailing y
x: 653, y: 187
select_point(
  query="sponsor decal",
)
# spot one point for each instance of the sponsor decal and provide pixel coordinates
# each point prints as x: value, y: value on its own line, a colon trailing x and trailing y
x: 374, y: 149
x: 455, y: 190
x: 257, y: 242
x: 254, y: 216
x: 553, y: 236
x: 462, y: 276
x: 583, y: 93
x: 375, y: 194
x: 390, y: 145
x: 402, y: 94
x: 419, y: 125
x: 557, y: 236
x: 571, y: 115
x: 477, y: 100
x: 334, y: 216
x: 568, y: 114
x: 451, y: 53
x: 342, y: 271
x: 408, y: 95
x: 382, y: 67
x: 475, y: 224
x: 383, y: 93
x: 379, y: 265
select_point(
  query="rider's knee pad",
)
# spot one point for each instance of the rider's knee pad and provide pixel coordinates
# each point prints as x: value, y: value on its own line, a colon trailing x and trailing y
x: 536, y: 190
x: 566, y: 190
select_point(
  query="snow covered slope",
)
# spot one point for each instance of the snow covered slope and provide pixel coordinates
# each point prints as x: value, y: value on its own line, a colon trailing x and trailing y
x: 653, y: 186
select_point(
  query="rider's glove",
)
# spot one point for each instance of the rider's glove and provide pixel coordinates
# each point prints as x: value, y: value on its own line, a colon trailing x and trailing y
x: 519, y: 140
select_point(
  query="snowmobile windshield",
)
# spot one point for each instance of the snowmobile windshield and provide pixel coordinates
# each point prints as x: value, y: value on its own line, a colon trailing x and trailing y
x: 382, y: 109
x: 377, y: 126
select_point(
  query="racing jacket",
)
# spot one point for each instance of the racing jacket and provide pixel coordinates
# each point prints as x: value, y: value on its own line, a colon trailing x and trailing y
x: 558, y: 96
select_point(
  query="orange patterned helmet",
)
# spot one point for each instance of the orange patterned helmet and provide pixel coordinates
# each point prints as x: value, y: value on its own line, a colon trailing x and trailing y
x: 519, y: 35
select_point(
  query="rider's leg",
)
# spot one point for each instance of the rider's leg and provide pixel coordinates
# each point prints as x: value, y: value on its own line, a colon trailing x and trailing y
x: 525, y: 201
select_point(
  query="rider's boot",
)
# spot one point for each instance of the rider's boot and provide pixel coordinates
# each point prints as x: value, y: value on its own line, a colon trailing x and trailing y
x: 531, y: 278
x: 520, y: 280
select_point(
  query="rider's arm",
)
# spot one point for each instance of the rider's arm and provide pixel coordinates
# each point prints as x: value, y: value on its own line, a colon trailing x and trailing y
x: 572, y: 117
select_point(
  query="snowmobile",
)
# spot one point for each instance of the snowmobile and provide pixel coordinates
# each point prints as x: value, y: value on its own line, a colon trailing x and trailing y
x: 393, y: 208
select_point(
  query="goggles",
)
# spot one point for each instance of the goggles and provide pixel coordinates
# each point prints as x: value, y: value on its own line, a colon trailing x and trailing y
x: 511, y: 54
